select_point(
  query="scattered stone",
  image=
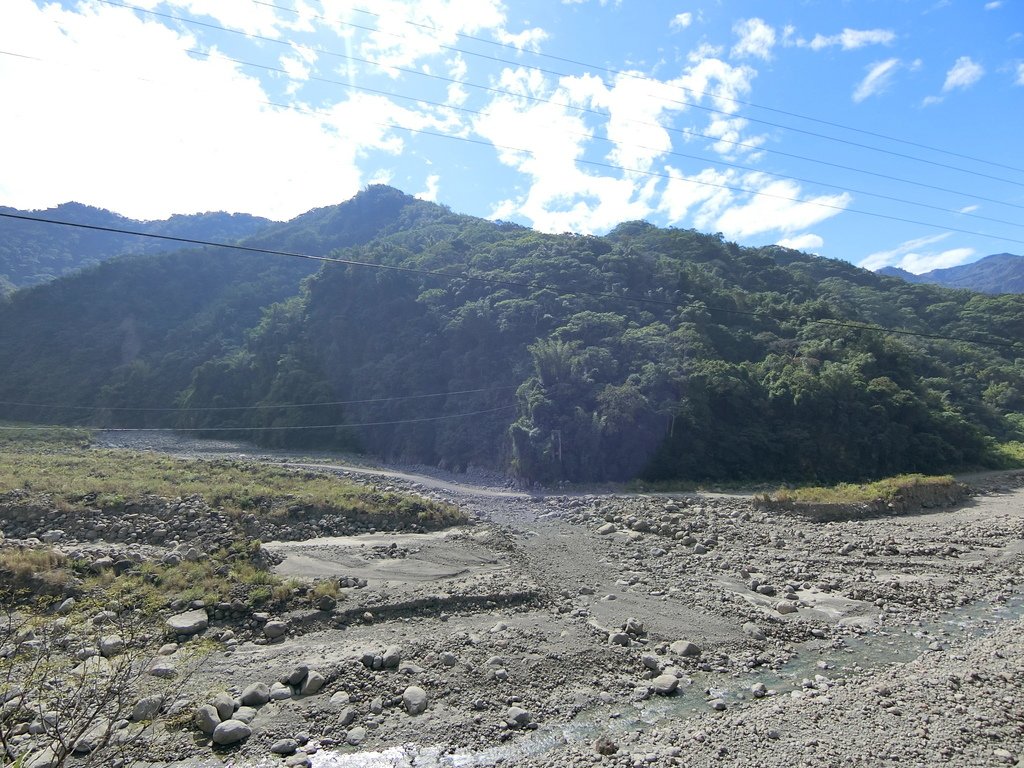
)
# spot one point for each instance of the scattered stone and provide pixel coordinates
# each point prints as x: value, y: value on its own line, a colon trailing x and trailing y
x: 665, y: 685
x: 231, y: 732
x: 751, y: 630
x: 255, y: 695
x: 355, y: 736
x: 112, y: 645
x: 147, y: 708
x: 275, y: 629
x: 189, y: 622
x: 279, y: 691
x: 206, y: 718
x: 285, y: 747
x: 785, y: 606
x: 415, y: 700
x: 392, y: 657
x: 684, y: 648
x: 224, y: 704
x: 312, y: 684
x: 517, y: 717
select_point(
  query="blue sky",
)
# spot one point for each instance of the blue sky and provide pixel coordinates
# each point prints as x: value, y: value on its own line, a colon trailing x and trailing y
x: 816, y: 125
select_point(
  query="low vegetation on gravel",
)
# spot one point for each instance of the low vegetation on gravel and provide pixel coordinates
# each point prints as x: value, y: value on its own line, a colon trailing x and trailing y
x: 55, y: 462
x: 852, y: 493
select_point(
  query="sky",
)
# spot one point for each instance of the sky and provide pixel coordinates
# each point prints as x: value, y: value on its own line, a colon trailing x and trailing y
x: 882, y: 132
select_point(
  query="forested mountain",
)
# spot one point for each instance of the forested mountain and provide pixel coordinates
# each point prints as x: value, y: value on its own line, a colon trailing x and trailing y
x: 128, y: 333
x: 999, y: 273
x: 33, y: 253
x: 650, y: 352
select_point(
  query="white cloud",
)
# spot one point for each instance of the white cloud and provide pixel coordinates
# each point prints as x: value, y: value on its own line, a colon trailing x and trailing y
x: 543, y: 141
x: 708, y: 74
x: 851, y: 39
x: 527, y: 40
x: 778, y: 206
x: 878, y: 78
x: 756, y: 39
x: 881, y: 259
x: 211, y: 122
x: 993, y: 5
x: 408, y: 33
x: 243, y: 15
x: 808, y: 242
x: 969, y: 209
x: 926, y: 262
x: 729, y: 132
x: 430, y: 193
x: 1020, y: 74
x: 681, y: 20
x: 963, y: 74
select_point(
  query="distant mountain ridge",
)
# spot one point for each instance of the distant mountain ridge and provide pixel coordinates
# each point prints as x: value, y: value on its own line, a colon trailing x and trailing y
x: 998, y: 273
x: 36, y: 253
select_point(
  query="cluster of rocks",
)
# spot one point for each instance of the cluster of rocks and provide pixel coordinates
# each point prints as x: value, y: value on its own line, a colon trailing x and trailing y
x: 226, y: 719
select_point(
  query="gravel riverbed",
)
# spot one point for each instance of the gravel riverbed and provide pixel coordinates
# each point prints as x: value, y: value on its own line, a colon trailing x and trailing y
x: 619, y: 629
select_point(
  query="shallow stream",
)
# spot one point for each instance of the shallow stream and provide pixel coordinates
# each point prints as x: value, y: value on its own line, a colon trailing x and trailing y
x: 829, y: 659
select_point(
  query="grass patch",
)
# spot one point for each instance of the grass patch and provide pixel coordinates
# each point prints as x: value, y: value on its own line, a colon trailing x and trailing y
x: 109, y: 478
x: 851, y: 493
x: 35, y: 570
x: 26, y: 437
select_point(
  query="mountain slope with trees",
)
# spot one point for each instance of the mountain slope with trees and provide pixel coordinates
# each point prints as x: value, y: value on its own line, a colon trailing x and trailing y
x: 657, y: 353
x: 998, y: 273
x: 32, y: 253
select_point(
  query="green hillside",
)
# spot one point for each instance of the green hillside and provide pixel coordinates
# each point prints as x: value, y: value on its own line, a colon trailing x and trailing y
x: 656, y: 353
x: 32, y: 253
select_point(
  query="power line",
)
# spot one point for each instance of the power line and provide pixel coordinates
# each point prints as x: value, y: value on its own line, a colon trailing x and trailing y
x: 645, y: 79
x: 261, y: 429
x: 730, y: 187
x: 260, y: 407
x: 670, y: 153
x: 327, y: 52
x: 502, y: 282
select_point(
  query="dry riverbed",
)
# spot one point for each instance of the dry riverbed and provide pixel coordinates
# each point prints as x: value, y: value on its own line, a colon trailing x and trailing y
x: 625, y: 630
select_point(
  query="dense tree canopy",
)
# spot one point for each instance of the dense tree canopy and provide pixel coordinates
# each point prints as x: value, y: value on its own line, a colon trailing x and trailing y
x: 656, y: 353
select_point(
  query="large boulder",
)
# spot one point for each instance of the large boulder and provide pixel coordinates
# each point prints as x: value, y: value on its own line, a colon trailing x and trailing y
x: 415, y: 700
x: 189, y: 622
x: 231, y: 732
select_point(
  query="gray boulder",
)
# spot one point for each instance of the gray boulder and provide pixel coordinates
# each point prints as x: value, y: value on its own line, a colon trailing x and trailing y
x: 685, y: 648
x: 189, y: 622
x: 255, y: 695
x: 147, y: 708
x: 665, y: 685
x: 312, y: 684
x: 231, y: 732
x: 415, y: 700
x: 206, y: 718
